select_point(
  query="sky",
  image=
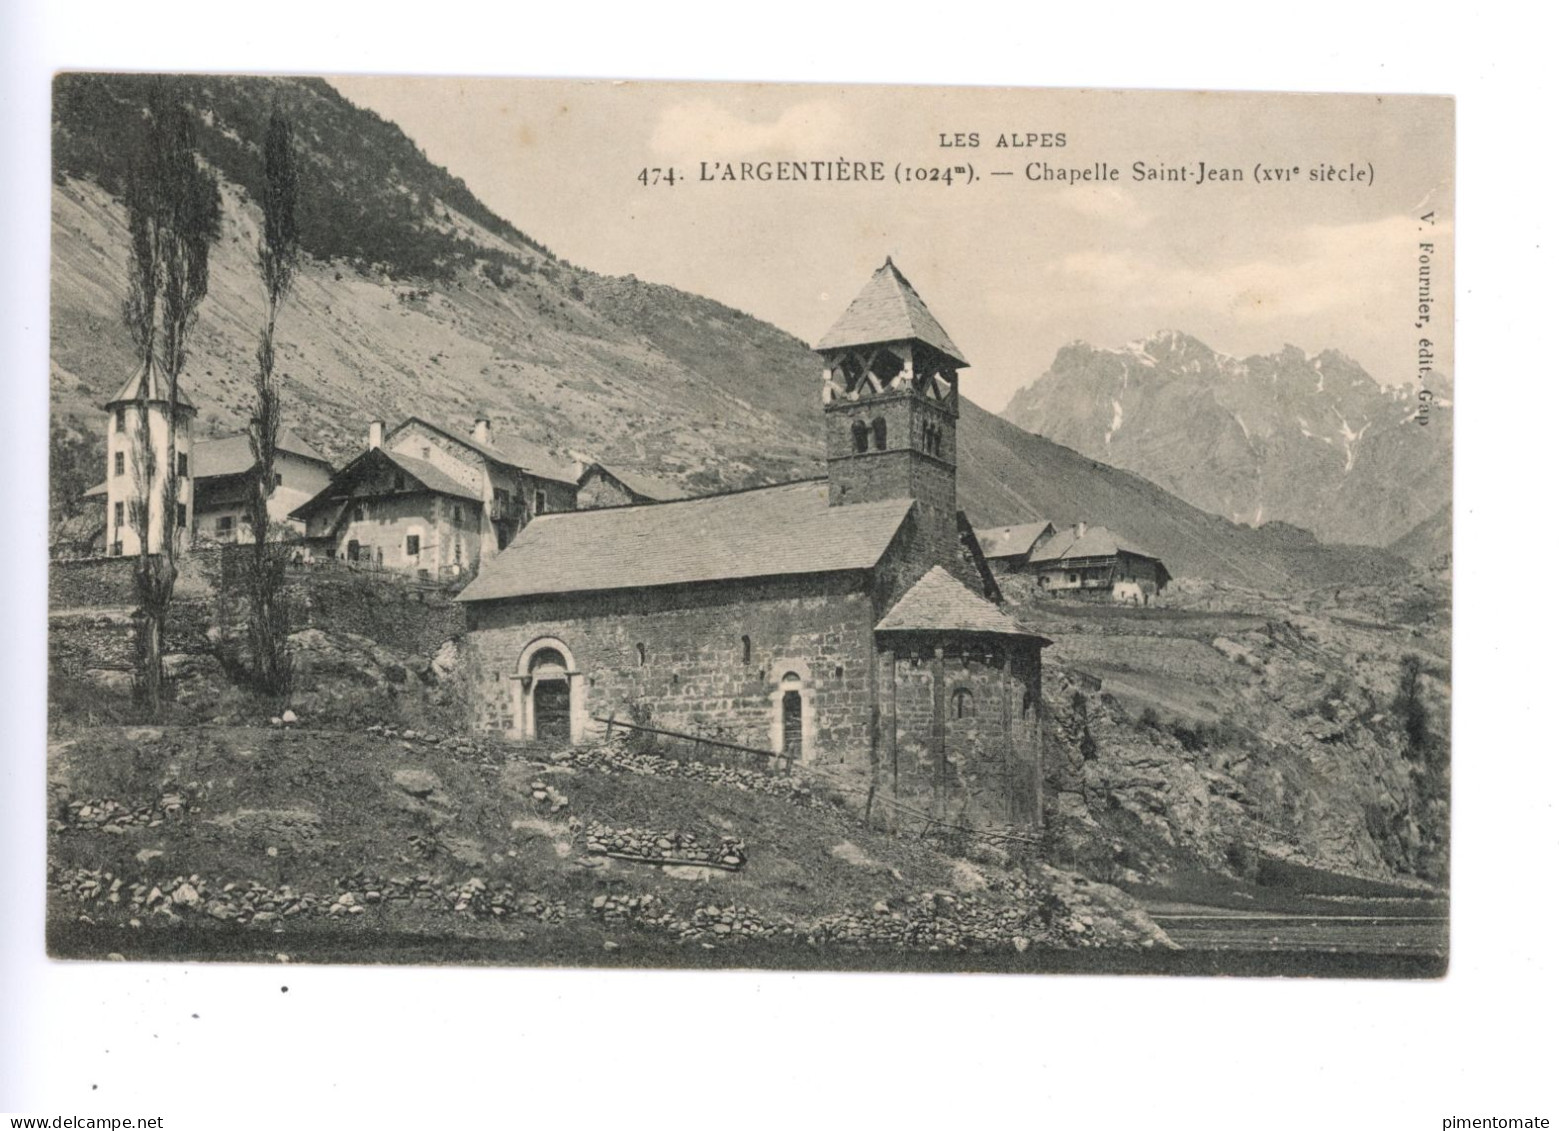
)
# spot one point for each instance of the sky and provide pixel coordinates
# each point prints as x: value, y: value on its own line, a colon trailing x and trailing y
x: 1014, y: 268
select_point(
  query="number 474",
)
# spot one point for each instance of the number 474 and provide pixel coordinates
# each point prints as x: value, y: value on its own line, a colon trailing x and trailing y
x: 657, y: 176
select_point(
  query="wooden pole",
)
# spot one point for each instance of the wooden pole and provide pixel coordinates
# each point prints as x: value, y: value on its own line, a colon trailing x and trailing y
x: 939, y: 727
x: 1006, y: 731
x: 890, y: 723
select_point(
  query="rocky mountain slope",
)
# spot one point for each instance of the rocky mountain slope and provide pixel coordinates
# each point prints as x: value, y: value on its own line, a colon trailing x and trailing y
x: 414, y: 299
x: 1310, y: 440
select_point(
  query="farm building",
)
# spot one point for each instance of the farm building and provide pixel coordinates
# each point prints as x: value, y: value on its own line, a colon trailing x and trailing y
x: 1089, y: 561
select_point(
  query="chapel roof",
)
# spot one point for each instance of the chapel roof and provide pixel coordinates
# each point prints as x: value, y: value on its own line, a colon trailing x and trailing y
x: 938, y: 602
x: 767, y: 532
x: 889, y: 310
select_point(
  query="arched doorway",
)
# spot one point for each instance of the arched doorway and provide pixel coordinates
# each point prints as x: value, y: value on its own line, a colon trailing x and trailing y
x: 550, y: 705
x: 549, y: 694
x: 790, y: 714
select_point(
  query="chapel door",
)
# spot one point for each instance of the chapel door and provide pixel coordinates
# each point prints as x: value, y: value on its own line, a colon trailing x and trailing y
x: 551, y: 704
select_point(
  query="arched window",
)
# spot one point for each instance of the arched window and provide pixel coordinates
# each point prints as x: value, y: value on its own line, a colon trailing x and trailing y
x: 880, y: 434
x: 858, y: 436
x: 963, y: 703
x: 642, y: 653
x: 746, y: 649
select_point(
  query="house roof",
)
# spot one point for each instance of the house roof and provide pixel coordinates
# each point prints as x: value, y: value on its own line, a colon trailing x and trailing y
x: 231, y: 455
x: 656, y: 490
x: 1095, y: 542
x: 767, y: 532
x: 889, y: 310
x: 938, y: 602
x: 425, y: 474
x: 1011, y: 541
x: 157, y: 390
x: 511, y: 451
x: 93, y: 492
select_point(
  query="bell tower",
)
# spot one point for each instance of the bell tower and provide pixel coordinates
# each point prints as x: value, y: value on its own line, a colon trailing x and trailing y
x: 890, y: 403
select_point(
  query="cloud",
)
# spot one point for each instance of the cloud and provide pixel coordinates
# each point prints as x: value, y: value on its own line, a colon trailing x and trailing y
x: 699, y: 127
x: 1357, y: 271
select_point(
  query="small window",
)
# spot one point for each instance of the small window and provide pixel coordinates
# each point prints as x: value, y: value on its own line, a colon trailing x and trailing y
x: 457, y: 551
x: 119, y: 419
x: 880, y: 434
x: 119, y: 515
x: 427, y: 453
x: 858, y: 436
x: 460, y: 515
x: 278, y: 479
x: 746, y: 649
x: 963, y: 703
x: 119, y: 463
x: 1072, y: 578
x: 359, y: 512
x: 541, y: 502
x: 643, y: 655
x: 183, y: 465
x: 183, y: 516
x: 225, y: 524
x: 413, y: 545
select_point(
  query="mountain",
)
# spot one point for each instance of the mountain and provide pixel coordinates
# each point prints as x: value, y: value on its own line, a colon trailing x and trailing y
x: 413, y: 298
x: 1313, y: 441
x: 1428, y: 543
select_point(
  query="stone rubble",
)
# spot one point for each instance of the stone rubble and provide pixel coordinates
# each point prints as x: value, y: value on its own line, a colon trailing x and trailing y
x: 614, y: 757
x: 664, y: 847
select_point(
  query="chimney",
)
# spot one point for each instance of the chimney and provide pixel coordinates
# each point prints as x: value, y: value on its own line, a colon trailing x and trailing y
x: 375, y: 433
x: 1082, y: 528
x: 482, y: 432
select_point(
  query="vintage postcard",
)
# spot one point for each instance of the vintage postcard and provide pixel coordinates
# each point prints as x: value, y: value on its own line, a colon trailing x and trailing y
x: 578, y: 523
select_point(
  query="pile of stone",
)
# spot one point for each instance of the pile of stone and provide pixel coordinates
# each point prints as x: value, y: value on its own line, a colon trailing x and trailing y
x: 615, y: 757
x: 707, y: 925
x: 110, y: 816
x: 936, y: 921
x: 253, y: 902
x: 665, y: 847
x: 544, y: 794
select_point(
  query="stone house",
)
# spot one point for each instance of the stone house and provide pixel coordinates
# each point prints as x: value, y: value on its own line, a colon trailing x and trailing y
x: 601, y: 486
x: 222, y: 468
x: 849, y: 621
x: 1089, y: 561
x: 1008, y: 547
x: 427, y: 500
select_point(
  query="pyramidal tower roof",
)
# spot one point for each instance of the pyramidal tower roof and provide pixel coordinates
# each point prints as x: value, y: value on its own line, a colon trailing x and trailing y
x: 889, y: 310
x: 157, y: 390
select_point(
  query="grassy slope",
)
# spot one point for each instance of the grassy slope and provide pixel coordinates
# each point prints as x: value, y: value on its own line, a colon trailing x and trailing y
x: 323, y: 812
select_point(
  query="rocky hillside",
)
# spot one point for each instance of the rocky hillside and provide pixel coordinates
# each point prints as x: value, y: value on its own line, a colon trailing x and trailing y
x: 1236, y: 730
x: 415, y: 299
x: 1310, y: 440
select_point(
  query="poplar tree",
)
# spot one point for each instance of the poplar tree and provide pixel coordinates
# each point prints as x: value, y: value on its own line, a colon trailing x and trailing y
x: 268, y: 620
x: 174, y: 215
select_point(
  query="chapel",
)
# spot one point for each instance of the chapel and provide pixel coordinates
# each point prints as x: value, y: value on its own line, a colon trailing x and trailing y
x: 849, y: 621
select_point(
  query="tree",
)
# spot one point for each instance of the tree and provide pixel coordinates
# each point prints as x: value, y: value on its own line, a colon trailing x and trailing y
x: 174, y: 215
x: 278, y: 264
